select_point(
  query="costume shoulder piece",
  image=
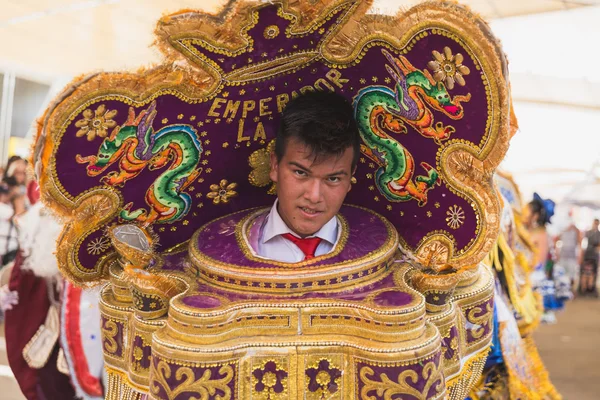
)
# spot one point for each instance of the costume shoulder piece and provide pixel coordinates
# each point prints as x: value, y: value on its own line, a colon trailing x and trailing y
x: 175, y: 146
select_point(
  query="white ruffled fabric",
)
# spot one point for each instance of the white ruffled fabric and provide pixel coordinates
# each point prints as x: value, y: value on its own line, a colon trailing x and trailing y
x: 38, y: 232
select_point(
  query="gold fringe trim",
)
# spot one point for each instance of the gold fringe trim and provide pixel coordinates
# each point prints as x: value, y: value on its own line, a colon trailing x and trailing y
x: 459, y: 387
x: 545, y: 388
x: 524, y: 302
x: 120, y: 387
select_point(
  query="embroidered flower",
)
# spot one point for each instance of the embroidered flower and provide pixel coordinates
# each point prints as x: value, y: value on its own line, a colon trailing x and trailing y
x: 97, y: 246
x: 448, y: 68
x: 323, y: 380
x: 456, y: 217
x: 261, y: 166
x: 96, y: 123
x: 222, y: 192
x: 269, y: 381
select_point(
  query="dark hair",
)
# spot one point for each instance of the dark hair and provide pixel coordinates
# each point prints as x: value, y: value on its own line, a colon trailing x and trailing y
x: 324, y: 121
x: 544, y: 208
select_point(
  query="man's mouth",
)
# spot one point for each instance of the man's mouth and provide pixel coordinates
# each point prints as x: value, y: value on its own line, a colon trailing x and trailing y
x: 310, y: 211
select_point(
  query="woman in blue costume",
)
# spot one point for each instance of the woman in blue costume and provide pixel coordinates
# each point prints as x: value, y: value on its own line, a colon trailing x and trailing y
x: 548, y: 277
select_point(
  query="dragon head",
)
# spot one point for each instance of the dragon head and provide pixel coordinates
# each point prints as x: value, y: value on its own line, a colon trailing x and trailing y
x: 108, y: 152
x: 110, y: 149
x: 439, y: 98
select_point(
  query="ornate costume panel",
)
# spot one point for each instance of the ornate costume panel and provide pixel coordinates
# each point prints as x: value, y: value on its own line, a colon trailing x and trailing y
x: 430, y: 96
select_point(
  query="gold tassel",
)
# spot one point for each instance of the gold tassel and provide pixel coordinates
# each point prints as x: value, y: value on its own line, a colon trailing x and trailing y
x: 119, y: 387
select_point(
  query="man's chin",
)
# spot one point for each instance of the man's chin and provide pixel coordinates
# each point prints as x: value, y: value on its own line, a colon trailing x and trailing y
x: 307, y: 230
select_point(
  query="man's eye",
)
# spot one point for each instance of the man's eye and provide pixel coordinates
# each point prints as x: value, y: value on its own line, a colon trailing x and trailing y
x: 334, y: 179
x: 299, y: 172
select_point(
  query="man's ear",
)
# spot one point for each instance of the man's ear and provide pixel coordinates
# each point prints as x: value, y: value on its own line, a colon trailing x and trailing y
x: 352, y: 179
x: 274, y: 167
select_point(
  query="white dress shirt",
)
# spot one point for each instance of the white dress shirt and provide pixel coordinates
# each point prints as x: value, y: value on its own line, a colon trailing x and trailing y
x: 273, y: 246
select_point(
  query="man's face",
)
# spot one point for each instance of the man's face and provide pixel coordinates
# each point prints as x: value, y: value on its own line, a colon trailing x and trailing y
x: 310, y: 193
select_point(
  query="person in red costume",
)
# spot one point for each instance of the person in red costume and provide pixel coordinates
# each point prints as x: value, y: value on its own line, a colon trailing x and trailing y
x: 32, y: 296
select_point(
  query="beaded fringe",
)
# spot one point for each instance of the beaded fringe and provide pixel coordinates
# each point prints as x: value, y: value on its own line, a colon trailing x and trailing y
x: 118, y: 388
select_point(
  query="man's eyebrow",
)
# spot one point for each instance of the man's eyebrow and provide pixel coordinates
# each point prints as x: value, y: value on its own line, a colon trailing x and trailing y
x: 340, y: 172
x: 302, y: 167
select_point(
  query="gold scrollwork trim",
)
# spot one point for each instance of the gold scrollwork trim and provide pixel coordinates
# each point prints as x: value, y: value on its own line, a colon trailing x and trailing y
x: 387, y: 387
x: 206, y: 385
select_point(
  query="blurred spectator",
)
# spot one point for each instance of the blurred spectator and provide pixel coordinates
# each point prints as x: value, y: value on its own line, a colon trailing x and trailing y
x: 569, y: 252
x: 589, y: 261
x: 17, y: 168
x: 10, y: 200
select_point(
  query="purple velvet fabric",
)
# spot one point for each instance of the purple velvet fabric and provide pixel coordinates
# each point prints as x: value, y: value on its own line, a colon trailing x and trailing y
x: 394, y: 372
x: 366, y: 234
x: 228, y: 141
x: 118, y: 338
x: 214, y: 374
x: 474, y: 331
x: 449, y: 352
x: 146, y: 353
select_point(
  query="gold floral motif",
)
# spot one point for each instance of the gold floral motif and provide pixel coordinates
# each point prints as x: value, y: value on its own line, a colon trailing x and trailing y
x: 96, y: 123
x: 138, y: 354
x: 269, y: 380
x: 271, y: 32
x: 222, y: 192
x: 205, y: 386
x: 97, y: 246
x: 386, y: 388
x: 260, y: 162
x: 327, y: 373
x: 110, y: 331
x: 481, y: 321
x: 448, y: 68
x: 456, y: 217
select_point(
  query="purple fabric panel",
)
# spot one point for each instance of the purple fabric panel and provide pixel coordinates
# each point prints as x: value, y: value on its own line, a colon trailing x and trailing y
x: 449, y: 352
x: 146, y: 353
x: 118, y: 338
x: 268, y: 49
x: 330, y: 373
x: 226, y: 157
x: 201, y: 301
x: 367, y: 233
x: 264, y: 385
x: 198, y: 372
x: 475, y: 328
x: 357, y: 294
x: 393, y: 372
x: 392, y: 298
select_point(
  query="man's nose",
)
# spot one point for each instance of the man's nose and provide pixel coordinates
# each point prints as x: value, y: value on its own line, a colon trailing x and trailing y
x: 313, y: 191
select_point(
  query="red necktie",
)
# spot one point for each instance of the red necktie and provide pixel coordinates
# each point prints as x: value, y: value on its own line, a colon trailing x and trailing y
x: 308, y: 245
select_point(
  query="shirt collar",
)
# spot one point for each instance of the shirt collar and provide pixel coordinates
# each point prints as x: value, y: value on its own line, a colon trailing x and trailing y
x: 275, y: 226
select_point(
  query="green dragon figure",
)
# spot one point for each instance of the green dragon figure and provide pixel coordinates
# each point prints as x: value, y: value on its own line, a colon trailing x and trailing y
x: 135, y: 145
x: 379, y: 109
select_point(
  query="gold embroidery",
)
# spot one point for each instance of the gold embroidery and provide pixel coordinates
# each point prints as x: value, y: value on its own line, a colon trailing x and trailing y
x: 260, y: 162
x: 204, y: 386
x: 269, y: 380
x: 96, y: 124
x: 448, y: 68
x: 110, y: 331
x: 456, y: 217
x: 388, y: 388
x: 481, y: 321
x: 222, y: 192
x: 99, y: 245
